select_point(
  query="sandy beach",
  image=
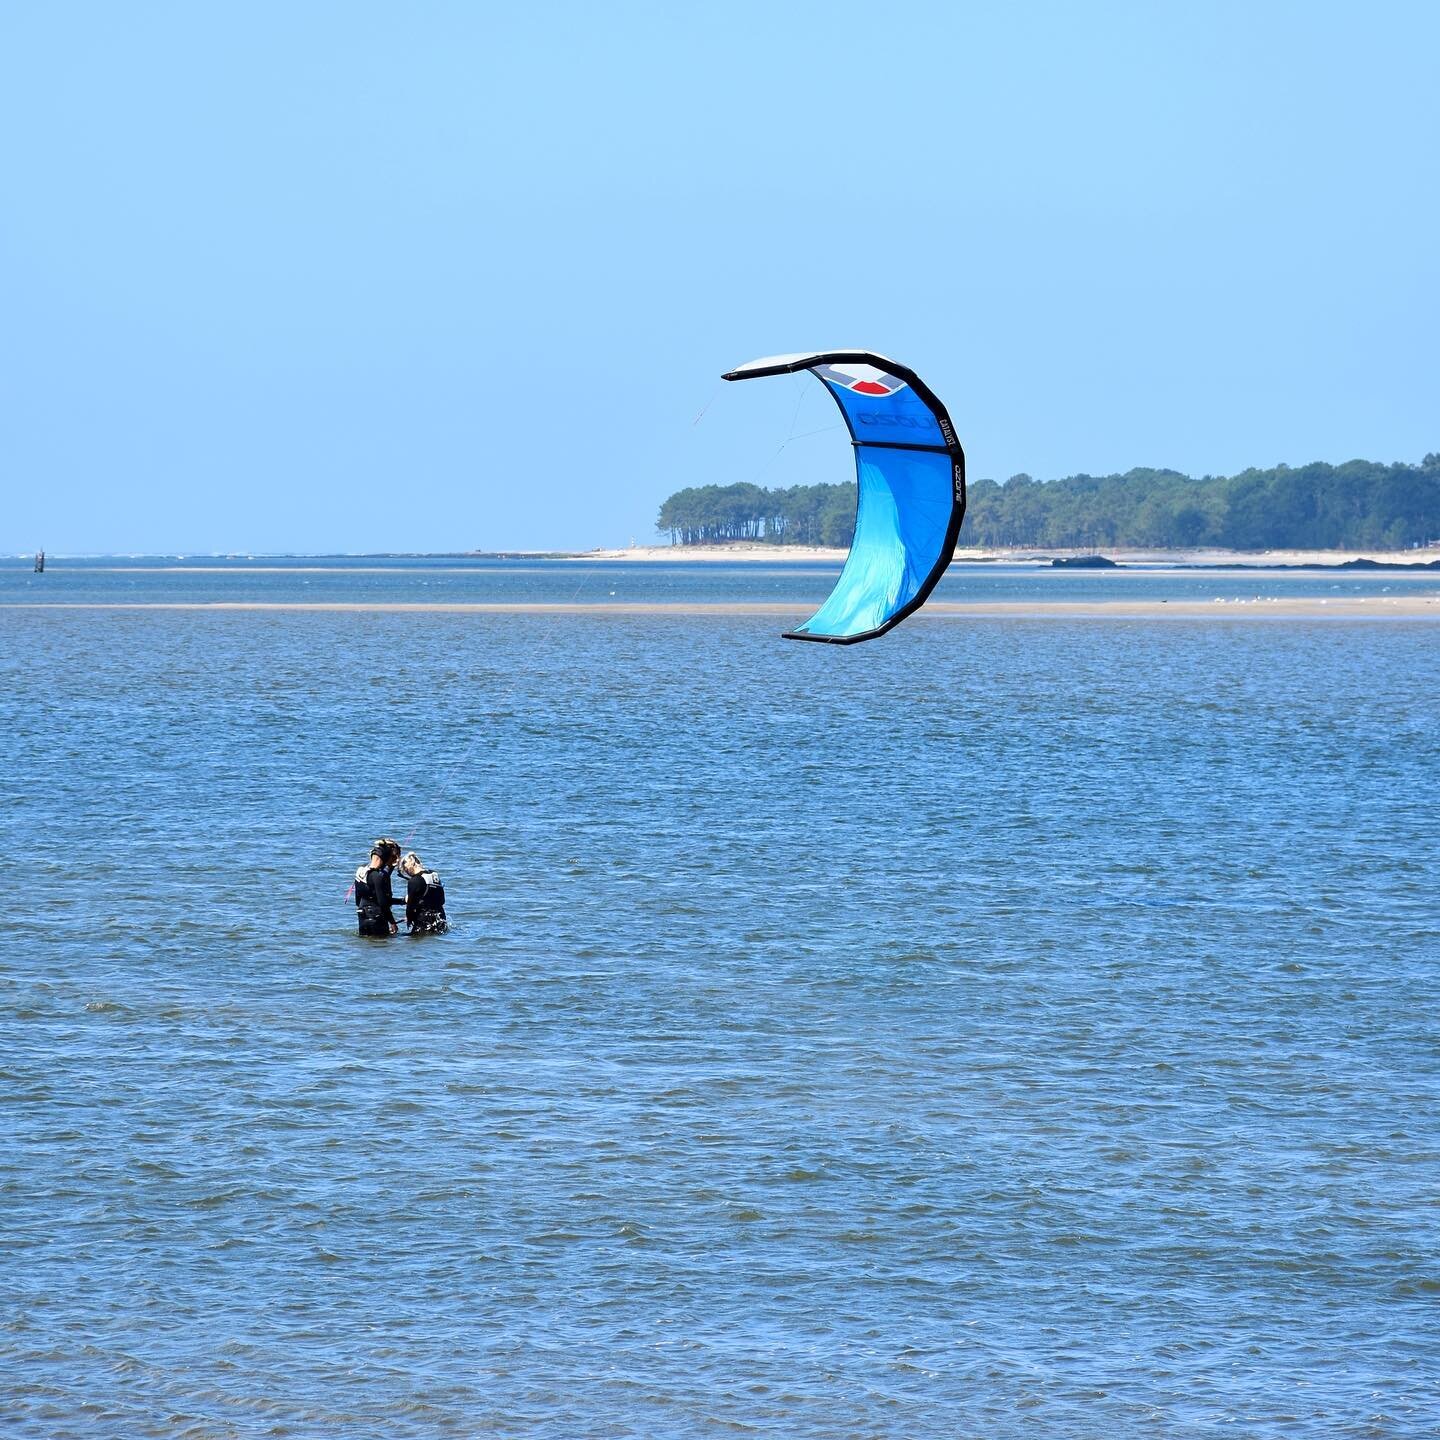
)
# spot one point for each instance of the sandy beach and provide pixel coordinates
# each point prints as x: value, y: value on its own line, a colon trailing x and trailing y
x: 812, y: 555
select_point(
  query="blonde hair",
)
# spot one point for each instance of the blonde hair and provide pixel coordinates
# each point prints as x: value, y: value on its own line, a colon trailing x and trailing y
x: 410, y: 865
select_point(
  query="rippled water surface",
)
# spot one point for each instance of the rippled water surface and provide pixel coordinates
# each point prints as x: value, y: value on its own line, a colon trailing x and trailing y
x: 1014, y: 1028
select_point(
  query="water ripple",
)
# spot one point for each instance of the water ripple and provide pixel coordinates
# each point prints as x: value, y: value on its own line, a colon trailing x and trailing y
x: 979, y: 1033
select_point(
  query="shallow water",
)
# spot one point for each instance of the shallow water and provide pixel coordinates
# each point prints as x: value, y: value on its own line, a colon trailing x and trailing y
x: 446, y: 580
x: 996, y: 1030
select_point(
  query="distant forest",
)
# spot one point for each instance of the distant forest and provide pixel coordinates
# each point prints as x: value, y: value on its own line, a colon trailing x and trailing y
x: 1358, y: 505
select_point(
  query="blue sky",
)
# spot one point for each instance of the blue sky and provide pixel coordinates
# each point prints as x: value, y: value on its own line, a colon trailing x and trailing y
x: 350, y: 277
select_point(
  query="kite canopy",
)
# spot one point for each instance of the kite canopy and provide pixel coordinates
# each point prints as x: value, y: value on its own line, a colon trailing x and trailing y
x: 910, y: 473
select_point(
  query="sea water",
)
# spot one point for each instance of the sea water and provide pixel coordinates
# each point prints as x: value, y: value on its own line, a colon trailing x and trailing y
x: 461, y: 580
x: 1012, y: 1027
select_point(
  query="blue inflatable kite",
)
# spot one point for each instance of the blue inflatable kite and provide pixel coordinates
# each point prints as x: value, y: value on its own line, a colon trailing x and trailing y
x: 910, y: 473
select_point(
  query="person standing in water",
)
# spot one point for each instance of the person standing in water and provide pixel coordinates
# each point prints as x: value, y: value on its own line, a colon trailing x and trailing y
x: 373, y: 894
x: 424, y: 898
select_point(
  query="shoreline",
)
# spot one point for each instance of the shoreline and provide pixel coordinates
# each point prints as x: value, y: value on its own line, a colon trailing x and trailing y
x: 993, y: 555
x: 751, y: 553
x: 1376, y: 607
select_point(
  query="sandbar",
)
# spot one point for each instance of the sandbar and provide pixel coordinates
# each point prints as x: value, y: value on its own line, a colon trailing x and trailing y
x: 1371, y: 607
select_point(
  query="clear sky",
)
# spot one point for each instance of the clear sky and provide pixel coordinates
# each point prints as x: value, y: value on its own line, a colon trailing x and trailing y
x: 344, y: 277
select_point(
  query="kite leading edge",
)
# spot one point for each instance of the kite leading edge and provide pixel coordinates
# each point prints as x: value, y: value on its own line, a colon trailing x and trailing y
x: 910, y: 483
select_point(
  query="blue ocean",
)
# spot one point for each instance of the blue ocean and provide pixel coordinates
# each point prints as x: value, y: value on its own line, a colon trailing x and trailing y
x: 1011, y: 1027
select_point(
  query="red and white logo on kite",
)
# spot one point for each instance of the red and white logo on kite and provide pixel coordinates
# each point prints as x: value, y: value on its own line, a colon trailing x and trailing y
x: 862, y: 379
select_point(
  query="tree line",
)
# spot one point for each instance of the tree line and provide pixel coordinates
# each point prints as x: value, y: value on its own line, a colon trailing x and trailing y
x: 797, y: 515
x: 1361, y: 504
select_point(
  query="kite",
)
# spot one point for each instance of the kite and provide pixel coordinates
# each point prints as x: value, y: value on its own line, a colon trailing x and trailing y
x: 910, y: 500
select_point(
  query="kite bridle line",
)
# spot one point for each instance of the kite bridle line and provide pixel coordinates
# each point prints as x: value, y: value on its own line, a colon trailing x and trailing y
x: 504, y: 699
x: 802, y: 377
x: 438, y: 794
x: 707, y: 405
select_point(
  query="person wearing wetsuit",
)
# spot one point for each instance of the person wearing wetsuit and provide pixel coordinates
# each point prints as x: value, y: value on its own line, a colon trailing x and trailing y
x: 424, y: 898
x: 373, y: 895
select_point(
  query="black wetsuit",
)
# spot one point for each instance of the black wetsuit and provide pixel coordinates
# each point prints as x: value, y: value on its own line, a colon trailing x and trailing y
x: 373, y: 899
x: 425, y: 904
